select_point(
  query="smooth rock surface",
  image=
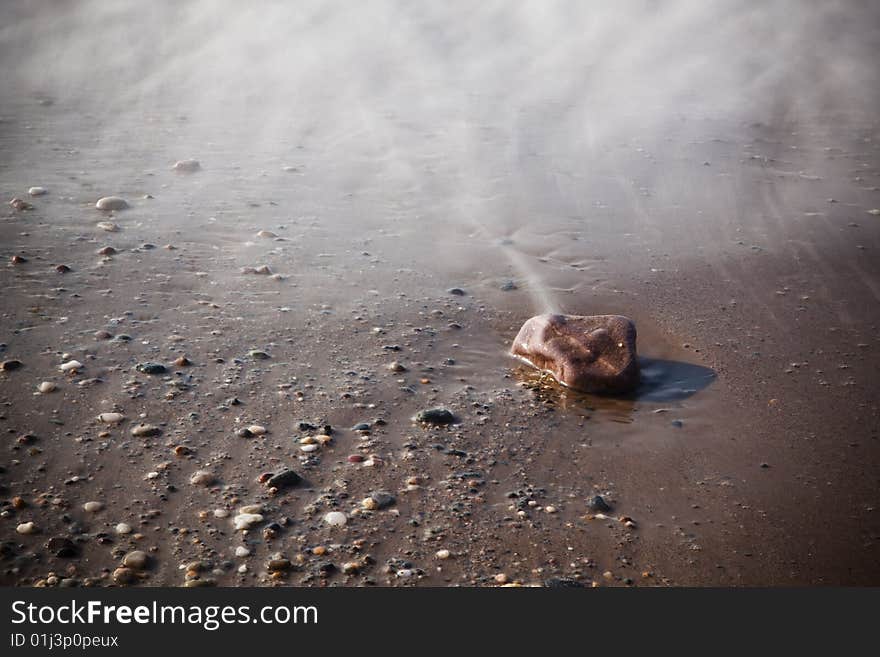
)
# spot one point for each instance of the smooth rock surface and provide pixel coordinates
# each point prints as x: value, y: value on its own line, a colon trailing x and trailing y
x: 111, y: 203
x: 588, y: 353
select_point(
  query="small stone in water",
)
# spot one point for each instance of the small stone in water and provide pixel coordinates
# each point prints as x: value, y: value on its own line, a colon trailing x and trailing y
x: 46, y: 387
x: 26, y: 528
x: 111, y: 203
x: 20, y: 204
x: 37, y: 191
x: 266, y: 234
x: 107, y: 251
x: 109, y: 226
x: 456, y: 291
x: 335, y: 519
x: 93, y: 507
x: 70, y: 366
x: 111, y: 418
x: 256, y: 354
x: 187, y: 166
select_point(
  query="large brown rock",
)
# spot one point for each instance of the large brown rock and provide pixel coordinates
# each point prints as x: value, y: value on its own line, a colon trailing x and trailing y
x: 589, y: 353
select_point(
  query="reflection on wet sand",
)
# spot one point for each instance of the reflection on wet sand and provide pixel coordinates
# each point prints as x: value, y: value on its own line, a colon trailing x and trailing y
x: 661, y: 380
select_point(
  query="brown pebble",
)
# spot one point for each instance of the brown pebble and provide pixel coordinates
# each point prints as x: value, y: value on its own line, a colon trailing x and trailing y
x: 9, y: 365
x: 107, y: 251
x: 62, y: 269
x: 183, y: 361
x: 18, y: 260
x: 20, y: 204
x: 124, y: 576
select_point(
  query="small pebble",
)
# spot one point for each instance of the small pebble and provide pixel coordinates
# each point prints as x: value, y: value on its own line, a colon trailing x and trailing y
x: 93, y: 507
x: 242, y: 551
x: 442, y: 554
x: 187, y: 166
x: 111, y: 418
x: 246, y: 520
x: 437, y: 415
x: 37, y: 191
x: 336, y: 519
x: 123, y: 528
x: 136, y: 560
x: 26, y: 528
x: 47, y: 387
x: 71, y: 366
x: 109, y: 203
x: 202, y: 478
x: 144, y: 430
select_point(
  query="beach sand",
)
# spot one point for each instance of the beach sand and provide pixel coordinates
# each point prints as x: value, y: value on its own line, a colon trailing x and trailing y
x: 744, y: 248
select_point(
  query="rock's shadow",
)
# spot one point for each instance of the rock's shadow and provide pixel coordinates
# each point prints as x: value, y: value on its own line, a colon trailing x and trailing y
x: 670, y: 380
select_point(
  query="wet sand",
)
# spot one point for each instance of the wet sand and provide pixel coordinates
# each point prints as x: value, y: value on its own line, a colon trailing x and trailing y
x: 744, y: 251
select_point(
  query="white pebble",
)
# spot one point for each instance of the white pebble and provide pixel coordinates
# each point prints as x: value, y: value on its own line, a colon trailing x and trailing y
x: 336, y: 519
x: 26, y: 528
x: 251, y: 508
x: 71, y: 365
x: 246, y: 520
x: 92, y: 507
x: 46, y: 387
x: 242, y: 551
x: 308, y: 448
x: 221, y: 513
x: 201, y: 478
x: 111, y: 203
x: 442, y: 554
x: 242, y: 568
x: 37, y: 191
x: 111, y: 418
x: 123, y: 528
x: 187, y: 166
x: 257, y: 429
